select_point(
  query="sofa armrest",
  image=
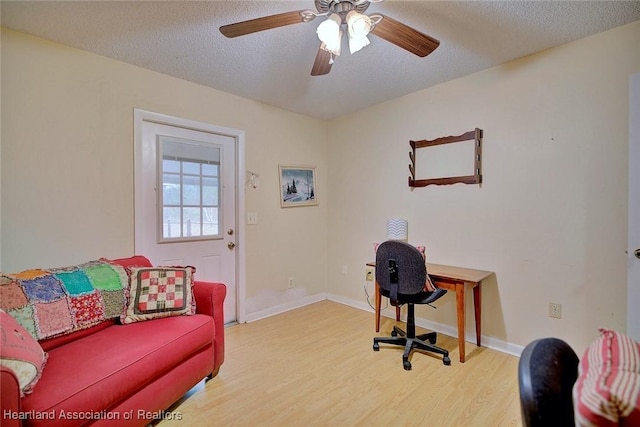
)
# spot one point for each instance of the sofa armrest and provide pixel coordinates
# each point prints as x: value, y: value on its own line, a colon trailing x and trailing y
x: 9, y: 398
x: 210, y: 301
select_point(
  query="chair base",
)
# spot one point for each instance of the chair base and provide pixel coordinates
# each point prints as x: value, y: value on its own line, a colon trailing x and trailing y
x: 409, y: 340
x: 399, y: 337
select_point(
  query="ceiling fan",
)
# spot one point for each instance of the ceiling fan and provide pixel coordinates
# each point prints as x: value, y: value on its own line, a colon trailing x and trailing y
x: 341, y: 15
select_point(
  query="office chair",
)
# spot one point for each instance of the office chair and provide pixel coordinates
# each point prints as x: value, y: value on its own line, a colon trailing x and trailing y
x: 547, y: 370
x: 401, y: 274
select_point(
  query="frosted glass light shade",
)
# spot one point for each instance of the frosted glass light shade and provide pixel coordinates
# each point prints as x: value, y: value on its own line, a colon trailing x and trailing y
x: 397, y: 229
x: 355, y: 44
x: 329, y: 33
x: 358, y: 26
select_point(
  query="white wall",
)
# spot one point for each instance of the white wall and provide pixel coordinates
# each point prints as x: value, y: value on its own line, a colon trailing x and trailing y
x: 0, y: 163
x: 67, y: 165
x: 633, y: 279
x: 550, y: 217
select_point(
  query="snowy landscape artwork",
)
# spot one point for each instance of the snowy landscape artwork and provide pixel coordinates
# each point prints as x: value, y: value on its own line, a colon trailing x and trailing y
x: 297, y: 186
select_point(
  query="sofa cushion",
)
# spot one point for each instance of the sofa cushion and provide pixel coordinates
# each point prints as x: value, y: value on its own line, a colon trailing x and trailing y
x: 21, y: 353
x: 50, y: 302
x: 53, y: 342
x: 155, y: 292
x: 607, y: 391
x: 98, y: 371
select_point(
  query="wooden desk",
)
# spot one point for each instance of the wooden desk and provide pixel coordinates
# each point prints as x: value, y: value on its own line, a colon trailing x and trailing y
x: 456, y: 279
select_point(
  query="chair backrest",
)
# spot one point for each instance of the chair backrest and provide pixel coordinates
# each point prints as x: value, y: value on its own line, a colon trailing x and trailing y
x: 400, y: 268
x: 547, y: 370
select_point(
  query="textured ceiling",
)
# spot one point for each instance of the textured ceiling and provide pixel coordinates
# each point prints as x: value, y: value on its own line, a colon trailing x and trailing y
x: 181, y: 39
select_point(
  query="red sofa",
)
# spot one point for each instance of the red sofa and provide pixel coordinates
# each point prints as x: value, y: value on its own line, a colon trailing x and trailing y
x: 118, y: 375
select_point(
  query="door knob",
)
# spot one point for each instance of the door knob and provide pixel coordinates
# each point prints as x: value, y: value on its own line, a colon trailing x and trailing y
x: 637, y: 253
x: 231, y: 245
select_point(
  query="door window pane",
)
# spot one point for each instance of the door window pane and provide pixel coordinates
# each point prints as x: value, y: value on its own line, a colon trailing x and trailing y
x: 170, y: 189
x: 190, y: 195
x: 191, y: 168
x: 171, y: 166
x: 210, y: 191
x: 191, y: 222
x: 210, y: 169
x: 210, y: 221
x: 171, y: 222
x: 191, y: 190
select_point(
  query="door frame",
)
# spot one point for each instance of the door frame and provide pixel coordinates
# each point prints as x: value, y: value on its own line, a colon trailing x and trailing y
x: 141, y: 116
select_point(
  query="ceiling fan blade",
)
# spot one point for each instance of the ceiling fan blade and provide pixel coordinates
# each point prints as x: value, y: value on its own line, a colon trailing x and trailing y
x: 321, y: 65
x: 261, y: 24
x: 405, y: 37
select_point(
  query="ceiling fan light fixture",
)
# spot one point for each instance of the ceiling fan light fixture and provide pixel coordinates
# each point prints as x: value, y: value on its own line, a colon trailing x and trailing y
x: 330, y: 34
x: 339, y: 16
x: 357, y: 43
x: 358, y: 26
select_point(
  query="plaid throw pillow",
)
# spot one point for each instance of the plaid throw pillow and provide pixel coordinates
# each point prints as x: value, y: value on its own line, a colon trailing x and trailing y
x: 156, y: 292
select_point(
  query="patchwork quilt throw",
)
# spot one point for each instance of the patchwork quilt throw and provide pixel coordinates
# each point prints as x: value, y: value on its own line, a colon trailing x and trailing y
x: 50, y: 302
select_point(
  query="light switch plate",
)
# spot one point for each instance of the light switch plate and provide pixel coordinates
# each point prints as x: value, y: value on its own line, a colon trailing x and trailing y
x: 252, y: 218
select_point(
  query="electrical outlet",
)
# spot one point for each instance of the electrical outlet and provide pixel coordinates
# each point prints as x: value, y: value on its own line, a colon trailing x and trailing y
x: 345, y: 269
x: 555, y: 310
x: 369, y: 274
x: 290, y: 283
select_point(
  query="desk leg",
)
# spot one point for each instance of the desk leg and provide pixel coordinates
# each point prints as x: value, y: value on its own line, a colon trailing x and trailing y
x: 460, y: 308
x: 378, y: 304
x: 478, y: 311
x: 378, y: 298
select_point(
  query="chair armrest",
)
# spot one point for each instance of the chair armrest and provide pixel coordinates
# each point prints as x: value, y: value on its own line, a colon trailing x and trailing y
x: 10, y: 401
x: 210, y: 301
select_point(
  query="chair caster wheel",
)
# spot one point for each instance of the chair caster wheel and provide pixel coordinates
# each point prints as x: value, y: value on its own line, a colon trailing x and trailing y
x: 432, y: 340
x: 446, y: 360
x: 376, y: 346
x: 406, y: 365
x: 394, y: 333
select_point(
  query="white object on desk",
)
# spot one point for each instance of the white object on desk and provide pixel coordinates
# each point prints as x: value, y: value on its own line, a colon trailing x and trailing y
x: 397, y: 229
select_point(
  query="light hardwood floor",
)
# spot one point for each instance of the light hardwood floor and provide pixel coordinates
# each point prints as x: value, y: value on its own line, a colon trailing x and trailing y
x: 315, y: 366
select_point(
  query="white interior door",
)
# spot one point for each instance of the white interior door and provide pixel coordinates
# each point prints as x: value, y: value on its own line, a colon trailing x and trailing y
x: 186, y: 199
x: 633, y: 277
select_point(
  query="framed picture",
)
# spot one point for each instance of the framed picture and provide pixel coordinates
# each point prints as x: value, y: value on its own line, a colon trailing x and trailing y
x: 298, y: 186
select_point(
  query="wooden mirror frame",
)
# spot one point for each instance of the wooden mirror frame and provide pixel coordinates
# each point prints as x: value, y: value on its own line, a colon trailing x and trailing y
x: 476, y: 178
